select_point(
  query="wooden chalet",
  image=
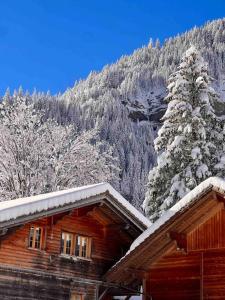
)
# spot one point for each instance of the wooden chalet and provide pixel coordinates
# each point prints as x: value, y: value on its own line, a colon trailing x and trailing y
x: 182, y: 255
x: 59, y: 245
x: 89, y: 243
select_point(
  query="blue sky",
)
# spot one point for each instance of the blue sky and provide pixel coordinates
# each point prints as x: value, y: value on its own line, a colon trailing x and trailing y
x: 48, y: 44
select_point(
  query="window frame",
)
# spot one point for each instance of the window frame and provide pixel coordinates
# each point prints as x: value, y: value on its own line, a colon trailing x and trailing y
x: 33, y: 244
x: 75, y: 294
x: 74, y: 243
x: 63, y: 247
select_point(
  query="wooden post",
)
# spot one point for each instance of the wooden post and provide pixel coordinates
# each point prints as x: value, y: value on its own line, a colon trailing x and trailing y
x: 103, y: 294
x: 146, y: 289
x: 96, y: 291
x: 144, y: 283
x: 202, y: 277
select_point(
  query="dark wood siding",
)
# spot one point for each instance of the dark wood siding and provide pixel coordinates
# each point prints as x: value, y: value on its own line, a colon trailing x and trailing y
x: 197, y: 274
x: 209, y: 235
x: 17, y: 285
x: 107, y: 245
x: 176, y: 277
x: 179, y: 276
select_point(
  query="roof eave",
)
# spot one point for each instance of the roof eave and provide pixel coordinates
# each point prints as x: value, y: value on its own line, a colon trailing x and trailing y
x: 128, y: 256
x: 105, y: 197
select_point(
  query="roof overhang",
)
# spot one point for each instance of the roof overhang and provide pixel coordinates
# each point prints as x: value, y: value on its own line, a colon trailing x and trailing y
x: 19, y: 211
x: 156, y: 241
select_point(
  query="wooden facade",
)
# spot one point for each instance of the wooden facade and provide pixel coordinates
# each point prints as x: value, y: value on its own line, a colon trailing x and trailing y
x: 184, y: 259
x: 47, y: 273
x: 78, y: 251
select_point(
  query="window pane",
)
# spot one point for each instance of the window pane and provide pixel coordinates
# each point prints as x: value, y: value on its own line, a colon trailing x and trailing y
x: 62, y: 242
x: 31, y: 237
x: 37, y: 238
x: 68, y: 243
x: 77, y: 246
x: 84, y: 247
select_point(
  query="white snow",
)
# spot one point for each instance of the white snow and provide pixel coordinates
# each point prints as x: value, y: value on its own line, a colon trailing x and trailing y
x: 13, y: 209
x: 202, y: 171
x: 221, y: 164
x: 190, y: 141
x: 195, y: 152
x: 212, y: 182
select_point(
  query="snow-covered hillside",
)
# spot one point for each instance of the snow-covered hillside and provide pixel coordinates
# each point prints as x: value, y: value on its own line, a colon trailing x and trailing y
x: 125, y: 100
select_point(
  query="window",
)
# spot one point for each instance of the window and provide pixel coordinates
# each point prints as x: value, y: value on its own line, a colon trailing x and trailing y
x: 35, y: 237
x: 66, y: 243
x: 75, y: 296
x: 81, y: 246
x: 74, y: 244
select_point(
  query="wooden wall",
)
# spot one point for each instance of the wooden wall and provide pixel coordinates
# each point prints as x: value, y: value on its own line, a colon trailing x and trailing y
x: 26, y: 286
x: 14, y: 252
x: 209, y: 235
x: 197, y: 274
x: 186, y: 276
x: 176, y: 277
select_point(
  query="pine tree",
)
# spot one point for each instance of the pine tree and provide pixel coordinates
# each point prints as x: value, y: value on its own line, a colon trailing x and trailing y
x: 188, y: 140
x: 7, y: 97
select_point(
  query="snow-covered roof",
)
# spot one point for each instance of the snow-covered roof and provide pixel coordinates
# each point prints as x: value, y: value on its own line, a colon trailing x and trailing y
x: 215, y: 183
x: 13, y: 209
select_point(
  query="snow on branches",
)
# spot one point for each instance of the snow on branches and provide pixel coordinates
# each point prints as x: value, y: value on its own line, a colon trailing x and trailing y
x: 188, y: 142
x: 39, y: 156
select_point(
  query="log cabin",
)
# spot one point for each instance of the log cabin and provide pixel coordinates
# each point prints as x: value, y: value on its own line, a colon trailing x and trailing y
x: 58, y: 246
x: 182, y: 255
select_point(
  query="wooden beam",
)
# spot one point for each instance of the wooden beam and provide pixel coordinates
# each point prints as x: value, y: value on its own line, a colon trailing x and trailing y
x: 146, y: 289
x: 137, y: 273
x: 117, y: 226
x: 9, y: 231
x: 45, y: 213
x: 103, y: 294
x: 205, y: 216
x: 97, y: 214
x: 170, y: 246
x: 153, y: 259
x: 202, y: 276
x: 124, y: 214
x: 83, y: 211
x: 220, y: 197
x: 3, y: 231
x: 189, y: 217
x: 107, y: 214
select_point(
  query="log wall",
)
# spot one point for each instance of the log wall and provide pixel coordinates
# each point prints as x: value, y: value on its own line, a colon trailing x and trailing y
x: 17, y: 285
x: 14, y: 253
x: 196, y: 274
x: 209, y: 235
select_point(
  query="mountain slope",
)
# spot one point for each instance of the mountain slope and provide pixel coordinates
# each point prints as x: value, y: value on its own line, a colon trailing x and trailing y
x: 125, y: 100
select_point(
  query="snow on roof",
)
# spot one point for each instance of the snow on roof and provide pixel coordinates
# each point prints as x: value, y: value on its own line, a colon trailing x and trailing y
x: 13, y: 209
x: 212, y: 182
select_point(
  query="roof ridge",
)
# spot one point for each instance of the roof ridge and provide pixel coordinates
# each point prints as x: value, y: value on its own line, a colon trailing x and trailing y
x: 211, y: 182
x: 13, y: 209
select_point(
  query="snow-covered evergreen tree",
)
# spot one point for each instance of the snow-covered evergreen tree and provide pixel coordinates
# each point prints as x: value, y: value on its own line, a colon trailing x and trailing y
x: 39, y: 156
x: 187, y: 142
